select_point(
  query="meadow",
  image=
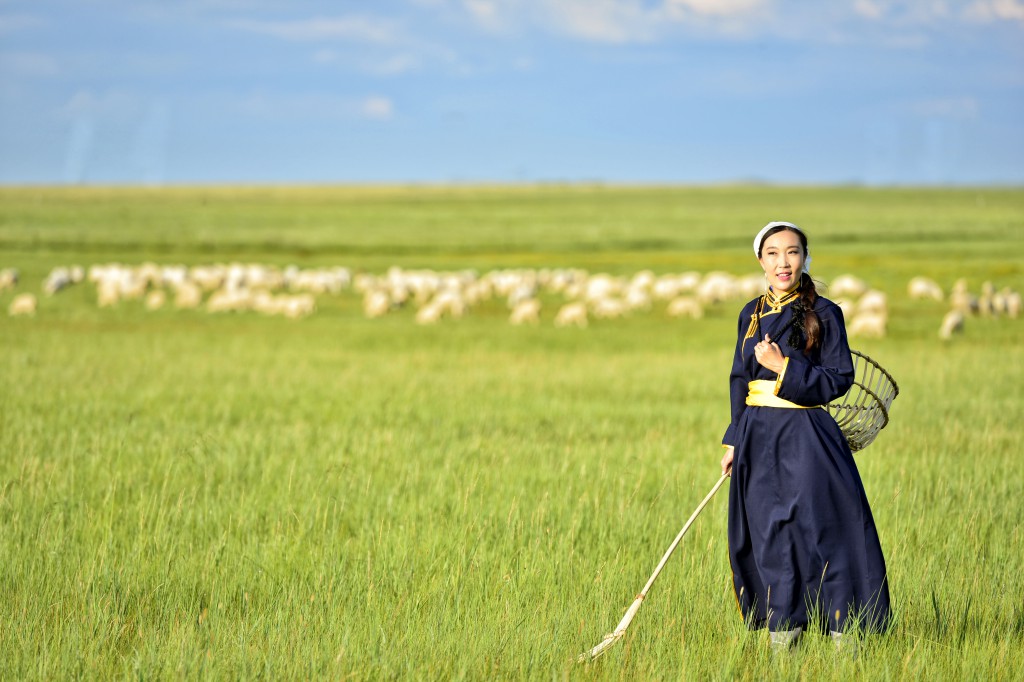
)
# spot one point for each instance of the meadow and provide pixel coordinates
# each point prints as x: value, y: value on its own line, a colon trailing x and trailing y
x: 184, y: 495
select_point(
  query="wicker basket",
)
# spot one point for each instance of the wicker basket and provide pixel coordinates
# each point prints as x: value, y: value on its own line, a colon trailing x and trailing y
x: 864, y: 410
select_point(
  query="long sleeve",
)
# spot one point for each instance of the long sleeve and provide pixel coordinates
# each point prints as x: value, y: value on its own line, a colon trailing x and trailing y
x: 738, y: 380
x: 818, y: 383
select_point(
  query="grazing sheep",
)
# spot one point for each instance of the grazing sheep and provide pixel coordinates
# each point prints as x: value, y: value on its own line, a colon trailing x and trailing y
x: 685, y: 306
x: 986, y: 302
x: 8, y: 279
x: 572, y: 314
x: 188, y: 295
x: 952, y: 323
x: 637, y: 299
x: 848, y: 308
x: 608, y: 308
x: 870, y: 324
x: 1013, y: 304
x: 156, y: 299
x: 430, y: 313
x: 526, y: 312
x: 717, y: 287
x: 23, y: 304
x: 59, y: 278
x: 847, y: 285
x: 376, y: 303
x: 873, y: 301
x: 923, y: 288
x: 961, y: 299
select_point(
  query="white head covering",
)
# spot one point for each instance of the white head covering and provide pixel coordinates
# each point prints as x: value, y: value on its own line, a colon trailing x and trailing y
x: 760, y: 236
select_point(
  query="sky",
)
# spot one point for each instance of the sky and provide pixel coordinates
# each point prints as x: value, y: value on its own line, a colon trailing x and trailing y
x: 160, y: 92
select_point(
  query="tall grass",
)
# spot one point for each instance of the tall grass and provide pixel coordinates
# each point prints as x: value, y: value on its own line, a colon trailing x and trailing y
x: 238, y: 497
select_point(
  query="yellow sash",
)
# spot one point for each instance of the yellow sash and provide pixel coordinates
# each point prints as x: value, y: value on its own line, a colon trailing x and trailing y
x: 761, y: 393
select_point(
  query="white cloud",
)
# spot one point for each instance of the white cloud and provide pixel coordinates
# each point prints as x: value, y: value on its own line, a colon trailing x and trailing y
x: 995, y: 10
x: 868, y: 9
x: 717, y: 8
x: 377, y: 108
x: 604, y: 21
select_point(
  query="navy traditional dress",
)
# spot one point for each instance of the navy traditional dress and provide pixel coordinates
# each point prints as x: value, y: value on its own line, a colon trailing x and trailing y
x: 802, y: 541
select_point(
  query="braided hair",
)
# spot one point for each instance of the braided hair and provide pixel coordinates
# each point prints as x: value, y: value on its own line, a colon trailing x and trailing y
x: 805, y: 320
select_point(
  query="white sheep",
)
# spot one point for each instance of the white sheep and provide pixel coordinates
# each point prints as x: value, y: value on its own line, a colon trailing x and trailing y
x: 847, y: 285
x: 22, y: 304
x: 155, y: 299
x: 1013, y: 303
x: 526, y: 312
x: 924, y: 288
x: 685, y: 306
x: 952, y: 323
x: 376, y: 303
x: 868, y: 324
x: 8, y: 279
x: 873, y: 301
x: 961, y: 299
x: 58, y: 279
x: 572, y: 314
x: 608, y: 308
x: 187, y: 295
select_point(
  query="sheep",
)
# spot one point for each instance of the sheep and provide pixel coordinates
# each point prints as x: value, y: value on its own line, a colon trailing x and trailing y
x: 574, y: 314
x: 873, y: 301
x: 952, y: 323
x: 608, y: 308
x: 23, y: 304
x: 8, y: 279
x: 430, y: 313
x: 526, y: 312
x: 1013, y: 304
x: 156, y: 299
x: 188, y: 295
x: 961, y: 299
x: 847, y: 285
x: 717, y: 287
x: 848, y: 307
x: 685, y: 306
x: 986, y: 302
x: 637, y: 299
x: 868, y: 324
x: 376, y: 303
x: 58, y: 279
x: 923, y: 288
x: 299, y: 305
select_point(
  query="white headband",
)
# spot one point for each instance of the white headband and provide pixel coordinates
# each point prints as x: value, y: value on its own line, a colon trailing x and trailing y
x: 760, y: 236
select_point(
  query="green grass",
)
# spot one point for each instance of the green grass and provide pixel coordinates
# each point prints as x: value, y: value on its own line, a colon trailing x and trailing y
x: 185, y: 495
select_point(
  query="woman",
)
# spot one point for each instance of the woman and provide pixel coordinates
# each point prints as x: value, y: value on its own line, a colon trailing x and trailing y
x: 802, y: 541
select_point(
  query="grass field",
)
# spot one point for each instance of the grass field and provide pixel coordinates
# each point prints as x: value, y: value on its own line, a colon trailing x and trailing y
x: 185, y: 495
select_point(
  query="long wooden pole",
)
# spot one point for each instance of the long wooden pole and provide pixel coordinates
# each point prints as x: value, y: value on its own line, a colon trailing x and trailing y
x: 620, y: 629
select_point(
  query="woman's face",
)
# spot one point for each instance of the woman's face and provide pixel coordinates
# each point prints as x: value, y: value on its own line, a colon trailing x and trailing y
x: 782, y: 258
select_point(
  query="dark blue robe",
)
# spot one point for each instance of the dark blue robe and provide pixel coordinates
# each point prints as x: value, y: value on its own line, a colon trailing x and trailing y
x: 802, y: 541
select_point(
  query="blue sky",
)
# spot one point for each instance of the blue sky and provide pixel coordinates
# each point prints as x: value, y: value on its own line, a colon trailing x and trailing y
x: 669, y: 91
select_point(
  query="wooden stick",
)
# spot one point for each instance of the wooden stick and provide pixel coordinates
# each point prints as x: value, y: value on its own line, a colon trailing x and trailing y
x: 620, y: 629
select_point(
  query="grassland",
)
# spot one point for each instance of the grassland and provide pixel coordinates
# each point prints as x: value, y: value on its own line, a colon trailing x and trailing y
x: 192, y: 496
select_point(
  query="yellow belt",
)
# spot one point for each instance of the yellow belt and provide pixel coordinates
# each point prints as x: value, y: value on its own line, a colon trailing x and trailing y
x: 761, y: 393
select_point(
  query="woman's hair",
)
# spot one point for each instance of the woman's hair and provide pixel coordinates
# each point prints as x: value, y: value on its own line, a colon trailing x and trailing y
x: 805, y: 319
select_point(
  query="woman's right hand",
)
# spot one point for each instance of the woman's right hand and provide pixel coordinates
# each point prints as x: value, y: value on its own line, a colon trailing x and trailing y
x: 727, y: 461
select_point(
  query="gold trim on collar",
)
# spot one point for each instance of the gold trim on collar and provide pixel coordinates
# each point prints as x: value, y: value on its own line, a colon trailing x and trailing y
x: 768, y: 304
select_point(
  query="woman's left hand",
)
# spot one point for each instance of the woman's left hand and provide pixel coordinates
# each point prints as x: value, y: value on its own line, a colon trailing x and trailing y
x: 769, y: 355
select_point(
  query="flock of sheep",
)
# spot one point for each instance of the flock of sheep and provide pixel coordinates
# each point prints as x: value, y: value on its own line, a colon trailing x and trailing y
x: 292, y: 292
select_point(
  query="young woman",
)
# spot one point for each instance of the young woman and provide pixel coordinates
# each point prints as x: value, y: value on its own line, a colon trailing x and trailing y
x: 802, y: 541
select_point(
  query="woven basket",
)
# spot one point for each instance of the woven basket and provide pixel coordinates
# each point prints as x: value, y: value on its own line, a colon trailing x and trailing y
x: 864, y: 410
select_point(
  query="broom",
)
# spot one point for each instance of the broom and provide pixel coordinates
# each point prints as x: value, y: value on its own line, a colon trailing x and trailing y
x: 620, y: 629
